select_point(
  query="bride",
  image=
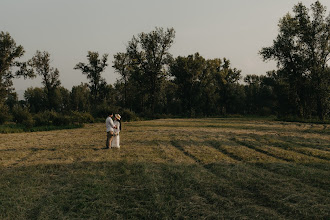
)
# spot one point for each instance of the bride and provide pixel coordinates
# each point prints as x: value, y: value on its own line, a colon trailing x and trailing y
x: 116, y: 137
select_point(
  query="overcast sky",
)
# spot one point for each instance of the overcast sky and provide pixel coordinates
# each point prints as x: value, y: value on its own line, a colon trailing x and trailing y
x: 67, y: 29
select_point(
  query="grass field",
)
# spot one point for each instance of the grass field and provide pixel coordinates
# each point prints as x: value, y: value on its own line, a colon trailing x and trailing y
x: 169, y: 169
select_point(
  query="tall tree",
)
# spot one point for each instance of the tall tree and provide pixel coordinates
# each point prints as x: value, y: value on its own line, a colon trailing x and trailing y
x: 150, y: 56
x: 210, y: 91
x: 227, y: 79
x: 36, y: 98
x: 9, y: 53
x: 122, y: 65
x: 79, y: 98
x: 206, y: 87
x: 302, y: 50
x: 63, y: 95
x: 187, y: 73
x: 93, y: 70
x: 259, y: 93
x: 50, y: 77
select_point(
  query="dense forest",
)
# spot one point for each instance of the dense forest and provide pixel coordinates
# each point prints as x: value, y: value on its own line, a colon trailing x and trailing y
x: 154, y: 84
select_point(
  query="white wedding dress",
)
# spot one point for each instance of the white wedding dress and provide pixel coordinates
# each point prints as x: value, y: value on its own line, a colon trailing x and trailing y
x: 116, y: 138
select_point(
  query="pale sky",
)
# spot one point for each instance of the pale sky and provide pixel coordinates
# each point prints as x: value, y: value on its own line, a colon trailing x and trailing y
x: 67, y: 29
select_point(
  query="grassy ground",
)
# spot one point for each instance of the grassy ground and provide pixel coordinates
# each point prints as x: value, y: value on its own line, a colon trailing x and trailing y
x: 165, y: 169
x: 18, y: 128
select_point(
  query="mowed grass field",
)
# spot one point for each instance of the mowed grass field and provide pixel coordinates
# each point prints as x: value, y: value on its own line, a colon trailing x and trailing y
x: 169, y: 169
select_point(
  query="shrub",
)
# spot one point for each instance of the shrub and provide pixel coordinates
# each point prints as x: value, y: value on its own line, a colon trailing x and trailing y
x: 21, y: 114
x: 28, y: 123
x: 40, y: 120
x: 82, y: 117
x: 4, y: 114
x: 128, y: 115
x: 265, y: 111
x: 45, y: 118
x: 60, y: 120
x: 103, y: 110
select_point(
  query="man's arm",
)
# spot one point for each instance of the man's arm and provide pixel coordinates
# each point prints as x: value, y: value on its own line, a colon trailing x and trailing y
x: 111, y: 123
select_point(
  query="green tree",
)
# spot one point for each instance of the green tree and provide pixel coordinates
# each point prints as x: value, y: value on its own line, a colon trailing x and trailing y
x: 80, y: 98
x: 301, y: 50
x: 282, y: 96
x: 210, y: 91
x: 63, y: 97
x: 107, y: 93
x: 149, y: 58
x: 206, y: 87
x: 9, y: 53
x: 12, y: 100
x: 187, y: 73
x: 227, y: 83
x: 36, y: 99
x: 93, y: 70
x: 172, y: 104
x: 259, y: 94
x: 40, y: 62
x: 122, y: 65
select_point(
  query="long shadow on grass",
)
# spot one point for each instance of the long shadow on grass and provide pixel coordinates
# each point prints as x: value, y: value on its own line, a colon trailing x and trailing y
x: 126, y: 190
x: 235, y: 126
x: 257, y: 146
x: 250, y: 184
x: 286, y: 144
x: 179, y: 145
x: 112, y: 190
x: 251, y: 146
x: 313, y: 174
x: 276, y: 175
x: 325, y: 146
x: 297, y: 148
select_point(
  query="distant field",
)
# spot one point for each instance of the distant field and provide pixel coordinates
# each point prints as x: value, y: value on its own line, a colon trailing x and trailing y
x: 172, y: 168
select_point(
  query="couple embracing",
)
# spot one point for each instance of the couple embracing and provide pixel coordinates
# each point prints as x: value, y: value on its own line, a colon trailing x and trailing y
x: 113, y: 129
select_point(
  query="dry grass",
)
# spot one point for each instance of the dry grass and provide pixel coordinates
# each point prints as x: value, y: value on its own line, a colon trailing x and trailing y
x: 173, y: 168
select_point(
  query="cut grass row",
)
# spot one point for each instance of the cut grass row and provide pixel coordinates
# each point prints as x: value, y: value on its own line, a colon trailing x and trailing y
x: 144, y: 190
x: 168, y: 171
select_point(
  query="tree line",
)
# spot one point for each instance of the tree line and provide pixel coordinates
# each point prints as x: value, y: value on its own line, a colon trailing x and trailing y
x: 153, y: 83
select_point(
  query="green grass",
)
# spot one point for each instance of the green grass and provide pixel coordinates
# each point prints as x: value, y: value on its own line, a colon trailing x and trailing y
x: 232, y: 168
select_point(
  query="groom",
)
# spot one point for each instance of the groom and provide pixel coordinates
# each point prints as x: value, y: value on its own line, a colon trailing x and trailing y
x: 110, y: 126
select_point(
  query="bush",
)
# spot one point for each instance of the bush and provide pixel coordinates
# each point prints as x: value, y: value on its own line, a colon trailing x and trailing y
x: 21, y: 115
x: 48, y: 118
x: 4, y: 114
x: 265, y: 111
x: 40, y: 120
x: 28, y: 123
x: 82, y: 117
x: 45, y: 118
x: 61, y: 120
x: 128, y: 115
x: 103, y: 110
